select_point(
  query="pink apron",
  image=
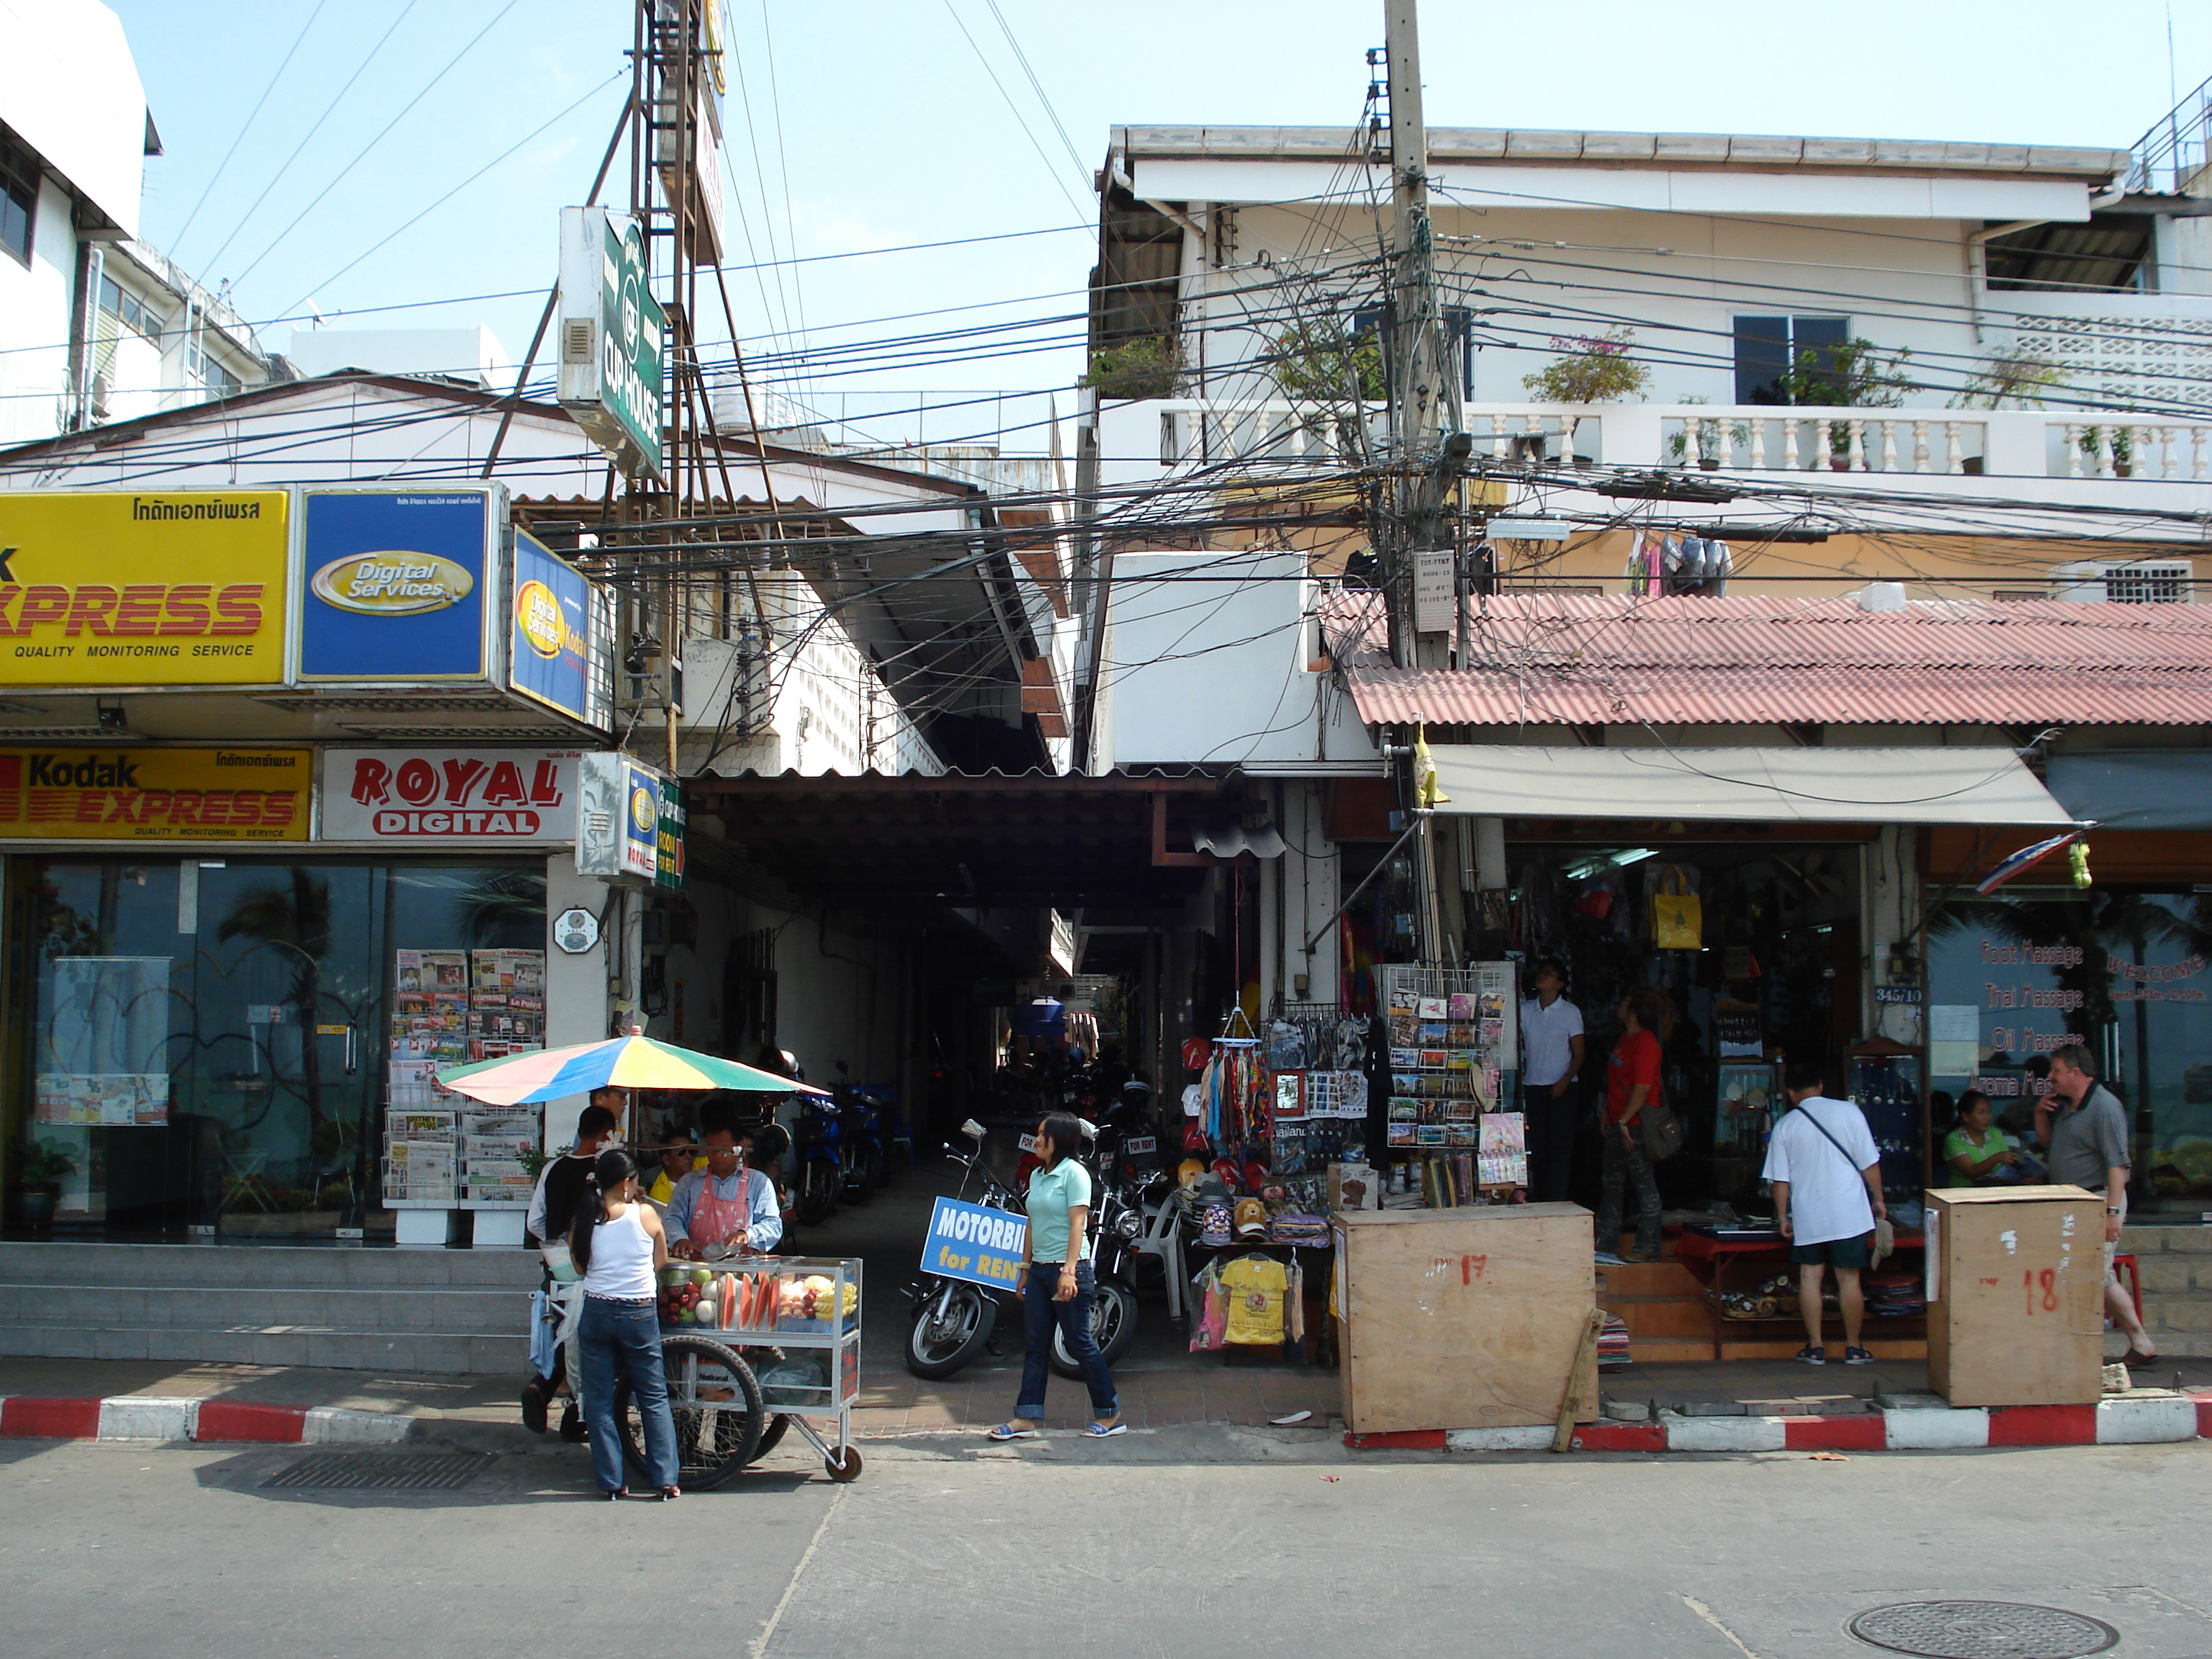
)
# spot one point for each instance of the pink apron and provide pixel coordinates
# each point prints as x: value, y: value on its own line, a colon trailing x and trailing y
x: 718, y: 1220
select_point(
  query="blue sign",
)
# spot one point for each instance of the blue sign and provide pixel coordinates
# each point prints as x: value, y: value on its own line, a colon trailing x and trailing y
x: 549, y: 645
x: 394, y: 585
x: 977, y: 1244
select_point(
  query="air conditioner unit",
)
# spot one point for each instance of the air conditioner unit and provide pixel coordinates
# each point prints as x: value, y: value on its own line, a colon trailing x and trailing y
x: 2139, y: 582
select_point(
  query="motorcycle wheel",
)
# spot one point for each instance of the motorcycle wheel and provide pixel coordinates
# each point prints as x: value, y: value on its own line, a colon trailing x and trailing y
x: 938, y: 1350
x: 817, y: 1193
x: 861, y: 1175
x: 1112, y: 1326
x: 716, y: 1405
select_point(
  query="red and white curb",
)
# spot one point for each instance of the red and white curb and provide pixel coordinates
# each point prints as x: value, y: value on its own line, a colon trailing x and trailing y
x: 1925, y: 1424
x: 151, y: 1417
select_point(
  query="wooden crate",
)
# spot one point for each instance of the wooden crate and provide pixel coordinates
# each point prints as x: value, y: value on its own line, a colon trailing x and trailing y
x: 2016, y: 1305
x: 1463, y: 1319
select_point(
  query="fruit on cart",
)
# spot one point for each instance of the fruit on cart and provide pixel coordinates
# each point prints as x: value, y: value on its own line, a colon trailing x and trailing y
x: 702, y: 1276
x: 705, y: 1312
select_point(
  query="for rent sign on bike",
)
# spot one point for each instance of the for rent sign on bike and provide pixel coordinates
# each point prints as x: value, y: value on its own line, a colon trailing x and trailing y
x: 973, y: 1241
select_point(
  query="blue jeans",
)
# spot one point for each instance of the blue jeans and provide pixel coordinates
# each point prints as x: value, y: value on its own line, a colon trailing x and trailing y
x: 623, y: 1338
x: 1040, y: 1313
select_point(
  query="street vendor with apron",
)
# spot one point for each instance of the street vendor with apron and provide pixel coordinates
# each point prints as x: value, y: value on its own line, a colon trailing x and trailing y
x: 725, y: 1207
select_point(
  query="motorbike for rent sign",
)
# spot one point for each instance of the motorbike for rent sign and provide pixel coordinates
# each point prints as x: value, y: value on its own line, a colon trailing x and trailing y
x: 433, y: 797
x: 157, y: 794
x: 395, y: 584
x: 975, y: 1242
x: 113, y: 587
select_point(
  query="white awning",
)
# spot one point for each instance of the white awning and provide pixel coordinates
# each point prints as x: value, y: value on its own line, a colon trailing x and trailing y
x: 1790, y: 786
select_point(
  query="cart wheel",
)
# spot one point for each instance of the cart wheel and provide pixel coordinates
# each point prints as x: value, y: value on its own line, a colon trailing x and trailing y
x: 772, y: 1435
x: 716, y: 1404
x: 845, y: 1468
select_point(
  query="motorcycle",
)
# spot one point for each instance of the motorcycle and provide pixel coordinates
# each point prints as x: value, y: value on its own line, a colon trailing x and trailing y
x: 821, y: 1167
x: 860, y: 1149
x: 953, y: 1318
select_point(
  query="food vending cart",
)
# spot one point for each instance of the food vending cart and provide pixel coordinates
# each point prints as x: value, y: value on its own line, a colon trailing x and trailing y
x: 753, y: 1347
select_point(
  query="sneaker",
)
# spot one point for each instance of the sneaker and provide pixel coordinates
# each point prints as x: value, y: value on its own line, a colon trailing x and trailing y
x: 1809, y: 1355
x: 1608, y: 1259
x: 1857, y: 1357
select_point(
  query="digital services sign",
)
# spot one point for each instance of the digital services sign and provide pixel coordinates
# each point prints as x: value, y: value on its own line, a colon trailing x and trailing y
x: 125, y: 588
x: 396, y: 585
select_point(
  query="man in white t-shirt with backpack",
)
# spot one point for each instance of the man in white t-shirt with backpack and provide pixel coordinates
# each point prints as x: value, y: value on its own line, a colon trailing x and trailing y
x: 1827, y: 1173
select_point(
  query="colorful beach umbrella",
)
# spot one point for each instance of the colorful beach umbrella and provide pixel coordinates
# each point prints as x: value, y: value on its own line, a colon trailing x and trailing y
x: 635, y: 1062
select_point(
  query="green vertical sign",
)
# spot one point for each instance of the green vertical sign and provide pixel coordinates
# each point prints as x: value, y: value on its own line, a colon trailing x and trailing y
x: 614, y: 338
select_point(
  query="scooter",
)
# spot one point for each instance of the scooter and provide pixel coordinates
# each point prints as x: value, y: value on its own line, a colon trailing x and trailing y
x: 860, y: 1149
x: 821, y: 1167
x: 953, y: 1318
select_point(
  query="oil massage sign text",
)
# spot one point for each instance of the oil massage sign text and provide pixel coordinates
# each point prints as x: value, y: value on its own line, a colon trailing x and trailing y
x: 113, y: 588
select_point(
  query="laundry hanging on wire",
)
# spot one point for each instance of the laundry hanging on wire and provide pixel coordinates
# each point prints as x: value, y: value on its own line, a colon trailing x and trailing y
x: 1660, y: 564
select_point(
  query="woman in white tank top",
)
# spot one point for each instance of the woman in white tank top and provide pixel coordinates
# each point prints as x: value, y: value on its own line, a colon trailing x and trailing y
x: 619, y: 1244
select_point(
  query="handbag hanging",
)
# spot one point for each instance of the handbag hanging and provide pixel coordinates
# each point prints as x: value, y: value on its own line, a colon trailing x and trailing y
x: 1663, y: 1133
x: 1678, y: 920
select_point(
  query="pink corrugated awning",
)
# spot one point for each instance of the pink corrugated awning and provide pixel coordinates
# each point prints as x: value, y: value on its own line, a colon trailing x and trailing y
x: 1567, y: 660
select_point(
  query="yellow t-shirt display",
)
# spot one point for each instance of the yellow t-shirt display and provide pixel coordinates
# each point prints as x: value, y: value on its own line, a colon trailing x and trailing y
x: 1256, y: 1287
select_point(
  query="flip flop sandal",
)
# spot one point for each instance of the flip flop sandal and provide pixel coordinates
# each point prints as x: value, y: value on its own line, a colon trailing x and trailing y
x: 1008, y: 1432
x: 1104, y: 1430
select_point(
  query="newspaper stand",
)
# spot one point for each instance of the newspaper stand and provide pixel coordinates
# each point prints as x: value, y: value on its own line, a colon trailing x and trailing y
x: 786, y: 1314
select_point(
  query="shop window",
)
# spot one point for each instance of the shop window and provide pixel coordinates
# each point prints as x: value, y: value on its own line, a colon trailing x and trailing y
x: 214, y: 1044
x: 2014, y: 976
x: 1767, y: 348
x: 19, y: 197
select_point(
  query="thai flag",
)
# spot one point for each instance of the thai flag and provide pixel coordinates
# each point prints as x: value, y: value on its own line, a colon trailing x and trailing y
x: 2014, y: 864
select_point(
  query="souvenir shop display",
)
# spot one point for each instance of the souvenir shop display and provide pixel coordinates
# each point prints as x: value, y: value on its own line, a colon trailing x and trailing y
x: 1454, y: 1059
x: 449, y: 1008
x: 1248, y: 1301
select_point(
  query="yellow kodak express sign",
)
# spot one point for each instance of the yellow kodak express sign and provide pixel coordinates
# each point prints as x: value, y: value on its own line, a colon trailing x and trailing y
x: 114, y: 587
x: 155, y: 794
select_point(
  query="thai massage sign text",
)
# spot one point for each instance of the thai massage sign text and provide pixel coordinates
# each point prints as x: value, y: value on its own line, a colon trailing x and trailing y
x: 975, y: 1242
x: 111, y: 587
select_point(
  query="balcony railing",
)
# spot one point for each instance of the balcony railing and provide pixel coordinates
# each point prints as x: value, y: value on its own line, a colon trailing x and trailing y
x: 1750, y: 438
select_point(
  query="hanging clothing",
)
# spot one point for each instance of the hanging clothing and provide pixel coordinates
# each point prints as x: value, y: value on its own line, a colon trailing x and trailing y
x: 1257, y: 1287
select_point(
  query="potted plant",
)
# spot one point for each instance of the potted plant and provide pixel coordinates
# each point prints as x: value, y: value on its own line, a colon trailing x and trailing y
x: 40, y: 1168
x: 1709, y: 453
x: 1851, y: 374
x: 2124, y: 448
x: 1592, y: 371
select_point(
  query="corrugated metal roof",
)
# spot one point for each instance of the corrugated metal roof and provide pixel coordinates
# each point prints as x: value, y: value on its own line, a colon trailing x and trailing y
x: 1589, y: 660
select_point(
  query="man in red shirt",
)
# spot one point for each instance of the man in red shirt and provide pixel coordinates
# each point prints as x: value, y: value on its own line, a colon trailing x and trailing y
x: 1631, y: 1081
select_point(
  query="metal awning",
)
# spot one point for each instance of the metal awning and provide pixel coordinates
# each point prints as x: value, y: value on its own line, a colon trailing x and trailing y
x: 1791, y: 785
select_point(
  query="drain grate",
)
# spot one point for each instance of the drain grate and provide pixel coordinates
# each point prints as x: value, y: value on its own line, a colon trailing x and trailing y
x: 379, y: 1472
x: 1981, y: 1630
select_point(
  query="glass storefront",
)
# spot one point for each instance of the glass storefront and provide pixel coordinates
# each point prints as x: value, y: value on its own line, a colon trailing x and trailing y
x: 2123, y: 969
x: 205, y: 1042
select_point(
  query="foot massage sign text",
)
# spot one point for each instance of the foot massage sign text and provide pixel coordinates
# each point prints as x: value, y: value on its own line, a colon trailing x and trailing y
x: 115, y: 588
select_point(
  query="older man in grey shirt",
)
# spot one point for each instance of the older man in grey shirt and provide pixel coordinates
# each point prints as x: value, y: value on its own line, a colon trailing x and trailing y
x: 2085, y: 1131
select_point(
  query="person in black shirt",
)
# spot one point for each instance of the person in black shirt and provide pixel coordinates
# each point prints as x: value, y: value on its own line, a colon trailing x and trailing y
x: 552, y: 1209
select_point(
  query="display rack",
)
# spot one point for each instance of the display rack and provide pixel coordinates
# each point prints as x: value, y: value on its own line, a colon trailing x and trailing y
x: 780, y: 1310
x: 1452, y: 1060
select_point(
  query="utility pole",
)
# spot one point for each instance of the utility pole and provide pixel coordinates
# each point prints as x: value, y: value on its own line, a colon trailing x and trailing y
x: 1414, y: 488
x: 1422, y: 463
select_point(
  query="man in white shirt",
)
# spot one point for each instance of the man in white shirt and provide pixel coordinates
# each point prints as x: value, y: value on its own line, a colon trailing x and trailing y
x: 1827, y: 1173
x: 1551, y: 1068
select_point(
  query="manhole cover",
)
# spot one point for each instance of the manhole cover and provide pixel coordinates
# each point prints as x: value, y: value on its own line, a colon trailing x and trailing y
x: 377, y: 1472
x: 1981, y: 1630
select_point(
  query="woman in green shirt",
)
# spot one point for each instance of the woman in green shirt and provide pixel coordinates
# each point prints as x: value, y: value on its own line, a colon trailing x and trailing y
x: 1057, y: 1284
x: 1974, y: 1151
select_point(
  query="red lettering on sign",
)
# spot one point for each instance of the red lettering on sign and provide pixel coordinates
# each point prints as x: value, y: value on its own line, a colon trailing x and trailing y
x: 460, y: 778
x: 237, y: 609
x: 417, y: 782
x: 505, y: 788
x: 187, y: 608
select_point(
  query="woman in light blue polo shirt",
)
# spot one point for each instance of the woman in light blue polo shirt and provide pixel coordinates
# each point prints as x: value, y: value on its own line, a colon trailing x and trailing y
x: 1057, y: 1283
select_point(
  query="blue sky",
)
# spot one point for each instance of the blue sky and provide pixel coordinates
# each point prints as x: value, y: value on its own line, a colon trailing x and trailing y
x: 893, y: 132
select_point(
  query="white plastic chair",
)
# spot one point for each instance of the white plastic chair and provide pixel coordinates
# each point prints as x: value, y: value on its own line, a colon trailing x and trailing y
x: 1163, y: 1239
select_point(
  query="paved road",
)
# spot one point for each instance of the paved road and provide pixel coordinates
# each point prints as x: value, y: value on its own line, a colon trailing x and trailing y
x: 1153, y: 1544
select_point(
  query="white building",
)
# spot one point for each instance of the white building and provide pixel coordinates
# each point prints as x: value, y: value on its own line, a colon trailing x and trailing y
x: 94, y: 324
x: 2036, y: 320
